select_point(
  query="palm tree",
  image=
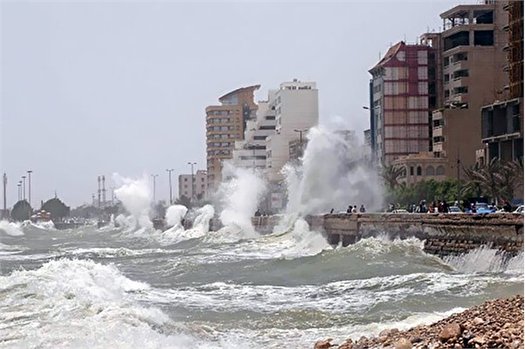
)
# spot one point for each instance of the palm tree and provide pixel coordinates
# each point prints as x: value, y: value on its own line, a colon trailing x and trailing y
x: 391, y: 174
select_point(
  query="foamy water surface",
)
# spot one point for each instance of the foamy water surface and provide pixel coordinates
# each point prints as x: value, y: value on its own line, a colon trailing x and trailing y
x: 134, y: 287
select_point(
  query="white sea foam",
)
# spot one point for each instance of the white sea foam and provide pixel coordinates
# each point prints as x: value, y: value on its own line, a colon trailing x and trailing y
x: 10, y: 228
x: 136, y: 198
x: 486, y: 259
x: 82, y: 304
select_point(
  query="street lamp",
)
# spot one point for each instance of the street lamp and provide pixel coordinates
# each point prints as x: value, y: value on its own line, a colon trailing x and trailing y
x: 171, y: 191
x: 29, y: 182
x: 19, y: 190
x: 301, y: 138
x: 24, y: 187
x: 154, y: 176
x: 192, y: 179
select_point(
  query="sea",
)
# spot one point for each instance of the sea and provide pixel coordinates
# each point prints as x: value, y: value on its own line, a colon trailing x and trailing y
x: 132, y: 286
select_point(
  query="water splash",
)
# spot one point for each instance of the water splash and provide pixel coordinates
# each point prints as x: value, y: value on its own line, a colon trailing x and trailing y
x: 486, y: 259
x: 136, y: 198
x: 239, y: 197
x: 10, y: 228
x: 332, y: 174
x: 175, y: 214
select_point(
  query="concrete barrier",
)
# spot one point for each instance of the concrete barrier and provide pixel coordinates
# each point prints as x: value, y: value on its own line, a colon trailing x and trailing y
x: 443, y: 234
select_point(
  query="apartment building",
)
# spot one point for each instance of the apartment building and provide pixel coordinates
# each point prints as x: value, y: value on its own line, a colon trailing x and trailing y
x: 225, y: 124
x: 296, y: 110
x: 403, y: 94
x: 251, y: 152
x: 471, y: 59
x: 502, y: 121
x: 193, y: 187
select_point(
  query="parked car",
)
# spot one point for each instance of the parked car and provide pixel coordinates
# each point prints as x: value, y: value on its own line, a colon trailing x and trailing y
x: 401, y: 210
x: 519, y: 209
x: 454, y: 209
x: 482, y: 207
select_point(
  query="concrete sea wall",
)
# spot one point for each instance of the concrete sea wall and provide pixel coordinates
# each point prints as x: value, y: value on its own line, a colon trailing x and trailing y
x: 443, y: 234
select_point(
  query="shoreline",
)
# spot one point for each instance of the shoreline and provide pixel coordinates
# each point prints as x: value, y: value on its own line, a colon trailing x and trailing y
x: 495, y: 323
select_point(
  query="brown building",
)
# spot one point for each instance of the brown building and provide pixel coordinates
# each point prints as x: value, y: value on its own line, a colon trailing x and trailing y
x: 225, y: 124
x: 403, y: 95
x: 419, y: 167
x: 472, y: 61
x: 502, y: 121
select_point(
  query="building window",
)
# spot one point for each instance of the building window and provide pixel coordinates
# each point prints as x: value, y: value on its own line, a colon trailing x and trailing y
x: 483, y: 38
x: 418, y: 171
x: 430, y: 171
x: 440, y: 170
x: 411, y: 170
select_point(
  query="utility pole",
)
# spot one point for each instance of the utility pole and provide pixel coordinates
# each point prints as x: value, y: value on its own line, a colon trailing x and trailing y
x: 29, y: 182
x: 24, y: 187
x: 154, y: 176
x: 98, y: 180
x: 19, y: 190
x: 4, y: 212
x: 104, y: 191
x: 192, y: 180
x: 171, y: 190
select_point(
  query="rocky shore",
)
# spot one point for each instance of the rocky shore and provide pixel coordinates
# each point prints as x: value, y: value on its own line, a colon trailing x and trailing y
x: 493, y: 324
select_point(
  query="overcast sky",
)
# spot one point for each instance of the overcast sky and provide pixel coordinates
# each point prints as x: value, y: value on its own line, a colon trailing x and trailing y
x: 92, y: 88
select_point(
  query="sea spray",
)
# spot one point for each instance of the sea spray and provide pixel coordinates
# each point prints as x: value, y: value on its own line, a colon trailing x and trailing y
x: 239, y: 198
x: 10, y: 228
x: 174, y: 216
x: 333, y: 173
x: 136, y: 198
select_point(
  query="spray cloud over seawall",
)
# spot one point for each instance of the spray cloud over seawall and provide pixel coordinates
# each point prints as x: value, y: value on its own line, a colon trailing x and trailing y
x: 136, y: 198
x: 239, y: 197
x: 333, y: 173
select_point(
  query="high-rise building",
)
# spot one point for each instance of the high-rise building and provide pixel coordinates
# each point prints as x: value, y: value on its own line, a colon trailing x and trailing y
x: 226, y: 124
x: 251, y: 152
x: 296, y: 110
x: 402, y: 98
x: 196, y: 189
x: 472, y: 57
x: 502, y: 121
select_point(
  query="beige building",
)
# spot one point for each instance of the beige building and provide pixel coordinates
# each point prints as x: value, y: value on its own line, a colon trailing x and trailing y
x: 472, y: 57
x: 196, y: 189
x: 419, y: 167
x: 226, y: 124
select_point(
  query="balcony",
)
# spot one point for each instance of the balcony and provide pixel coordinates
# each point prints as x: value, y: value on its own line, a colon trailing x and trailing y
x: 437, y: 131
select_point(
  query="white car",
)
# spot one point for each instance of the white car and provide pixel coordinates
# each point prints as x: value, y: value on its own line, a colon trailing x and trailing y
x: 519, y: 209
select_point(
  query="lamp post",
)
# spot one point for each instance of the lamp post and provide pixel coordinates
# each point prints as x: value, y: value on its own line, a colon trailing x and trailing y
x: 192, y: 179
x: 301, y: 138
x: 29, y: 182
x: 24, y: 187
x: 4, y: 212
x: 171, y: 190
x: 19, y: 190
x: 154, y: 176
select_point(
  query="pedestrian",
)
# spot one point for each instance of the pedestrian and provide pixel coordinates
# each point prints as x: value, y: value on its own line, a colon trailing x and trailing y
x: 331, y: 211
x: 362, y: 209
x: 349, y: 209
x: 354, y: 210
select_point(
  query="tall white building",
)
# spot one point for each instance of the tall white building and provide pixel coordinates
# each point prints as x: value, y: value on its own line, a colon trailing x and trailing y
x: 296, y: 110
x: 251, y: 152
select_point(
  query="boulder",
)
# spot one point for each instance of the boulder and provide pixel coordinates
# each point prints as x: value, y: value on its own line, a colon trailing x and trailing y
x: 450, y: 331
x: 403, y: 343
x: 323, y: 344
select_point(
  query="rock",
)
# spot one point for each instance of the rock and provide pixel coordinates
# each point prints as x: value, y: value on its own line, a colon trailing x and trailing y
x: 403, y: 343
x: 450, y: 331
x: 477, y: 340
x: 478, y: 321
x: 458, y: 346
x: 416, y: 339
x: 323, y: 344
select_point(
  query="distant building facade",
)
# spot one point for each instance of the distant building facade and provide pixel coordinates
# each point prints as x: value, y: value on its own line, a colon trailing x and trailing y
x: 196, y: 190
x: 402, y: 92
x: 471, y: 56
x: 225, y: 124
x: 296, y: 108
x: 502, y: 121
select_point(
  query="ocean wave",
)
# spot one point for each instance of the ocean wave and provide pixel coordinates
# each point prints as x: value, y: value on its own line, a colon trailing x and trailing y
x: 10, y: 228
